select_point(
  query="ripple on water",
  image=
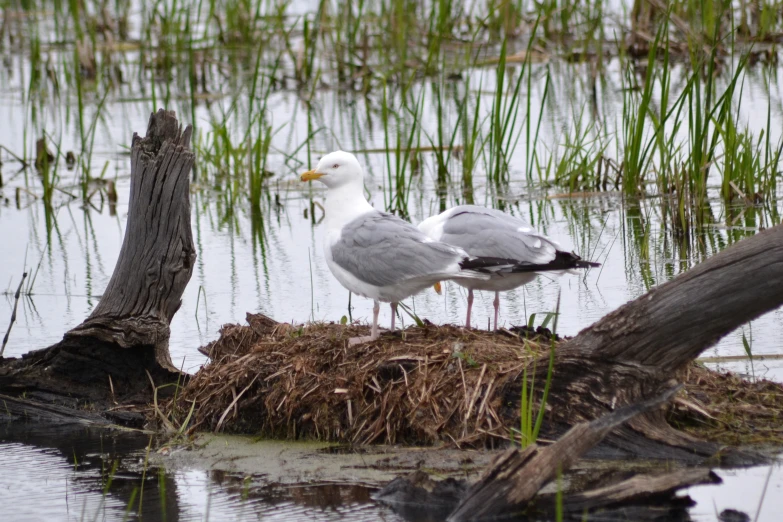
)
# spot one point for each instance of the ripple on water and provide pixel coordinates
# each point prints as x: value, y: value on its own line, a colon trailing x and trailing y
x: 40, y: 484
x: 65, y: 480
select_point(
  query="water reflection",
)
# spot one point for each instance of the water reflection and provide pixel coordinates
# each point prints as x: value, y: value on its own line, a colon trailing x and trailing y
x: 757, y: 491
x: 61, y: 473
x: 67, y: 473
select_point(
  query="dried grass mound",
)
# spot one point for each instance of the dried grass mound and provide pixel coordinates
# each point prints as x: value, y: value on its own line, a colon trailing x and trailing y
x: 439, y: 383
x: 725, y: 408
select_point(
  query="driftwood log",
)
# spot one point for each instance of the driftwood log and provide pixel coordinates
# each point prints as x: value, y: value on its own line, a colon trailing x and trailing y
x: 642, y: 498
x: 516, y: 476
x: 638, y: 350
x: 632, y: 354
x: 110, y: 357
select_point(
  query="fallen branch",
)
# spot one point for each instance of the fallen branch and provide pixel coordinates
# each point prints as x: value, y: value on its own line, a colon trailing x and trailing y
x: 517, y: 475
x: 638, y: 488
x: 513, y: 480
x: 673, y: 323
x: 647, y: 344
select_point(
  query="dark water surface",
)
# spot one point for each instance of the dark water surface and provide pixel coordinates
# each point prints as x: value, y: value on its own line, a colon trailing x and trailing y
x: 70, y: 474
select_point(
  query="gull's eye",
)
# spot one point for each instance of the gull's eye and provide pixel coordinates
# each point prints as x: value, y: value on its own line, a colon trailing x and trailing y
x: 335, y: 166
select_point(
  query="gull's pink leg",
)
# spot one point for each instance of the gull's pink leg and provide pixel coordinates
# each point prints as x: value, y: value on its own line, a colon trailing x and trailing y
x: 470, y: 307
x: 496, y: 302
x: 375, y: 332
x: 394, y: 314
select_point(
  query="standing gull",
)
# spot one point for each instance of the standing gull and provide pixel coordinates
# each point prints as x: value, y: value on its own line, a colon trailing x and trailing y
x: 482, y: 231
x: 378, y: 255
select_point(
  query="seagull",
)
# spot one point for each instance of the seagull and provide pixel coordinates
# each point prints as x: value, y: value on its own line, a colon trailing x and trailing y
x: 482, y: 231
x: 378, y: 255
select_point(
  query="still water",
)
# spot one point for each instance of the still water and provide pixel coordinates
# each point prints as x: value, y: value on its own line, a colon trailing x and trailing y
x: 70, y: 474
x: 268, y: 259
x: 81, y: 475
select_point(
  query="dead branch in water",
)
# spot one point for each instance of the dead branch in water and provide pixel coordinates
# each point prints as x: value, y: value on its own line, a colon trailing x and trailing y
x: 636, y: 351
x: 673, y: 323
x: 516, y: 476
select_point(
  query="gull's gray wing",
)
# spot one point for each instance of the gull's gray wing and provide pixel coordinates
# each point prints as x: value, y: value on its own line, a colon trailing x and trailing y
x: 487, y: 232
x: 382, y: 249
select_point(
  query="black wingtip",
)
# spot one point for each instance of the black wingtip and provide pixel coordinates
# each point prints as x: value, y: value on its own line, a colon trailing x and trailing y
x: 482, y: 264
x: 578, y: 262
x: 586, y: 264
x: 562, y: 261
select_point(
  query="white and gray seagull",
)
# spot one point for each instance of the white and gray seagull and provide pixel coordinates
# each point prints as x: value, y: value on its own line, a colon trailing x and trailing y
x: 486, y: 232
x: 378, y: 255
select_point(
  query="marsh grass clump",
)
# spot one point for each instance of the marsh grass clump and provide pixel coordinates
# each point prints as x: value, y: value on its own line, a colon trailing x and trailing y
x: 433, y: 384
x: 726, y: 408
x: 439, y: 383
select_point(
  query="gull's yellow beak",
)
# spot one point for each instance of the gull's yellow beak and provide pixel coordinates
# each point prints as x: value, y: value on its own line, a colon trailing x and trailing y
x: 437, y: 288
x: 310, y: 175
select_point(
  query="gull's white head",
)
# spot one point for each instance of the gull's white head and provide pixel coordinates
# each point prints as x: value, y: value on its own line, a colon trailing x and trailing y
x: 336, y: 169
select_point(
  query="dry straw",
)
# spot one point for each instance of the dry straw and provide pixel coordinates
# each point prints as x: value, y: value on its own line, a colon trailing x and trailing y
x: 439, y: 383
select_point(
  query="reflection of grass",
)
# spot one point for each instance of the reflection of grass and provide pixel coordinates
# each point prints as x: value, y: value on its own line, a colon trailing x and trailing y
x: 481, y: 103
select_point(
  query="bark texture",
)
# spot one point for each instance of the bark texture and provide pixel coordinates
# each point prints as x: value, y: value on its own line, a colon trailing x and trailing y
x: 158, y: 254
x: 672, y: 324
x: 114, y: 353
x: 645, y: 346
x: 511, y: 484
x: 516, y: 476
x: 640, y: 488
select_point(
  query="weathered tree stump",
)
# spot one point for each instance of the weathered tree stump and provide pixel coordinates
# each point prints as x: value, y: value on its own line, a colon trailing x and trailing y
x: 108, y: 357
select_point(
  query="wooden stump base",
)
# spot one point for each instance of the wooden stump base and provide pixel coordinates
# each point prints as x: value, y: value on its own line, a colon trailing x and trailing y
x: 112, y: 357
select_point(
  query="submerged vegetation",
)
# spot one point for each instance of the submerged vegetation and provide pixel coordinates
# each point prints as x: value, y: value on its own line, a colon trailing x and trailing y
x: 676, y: 103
